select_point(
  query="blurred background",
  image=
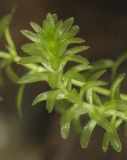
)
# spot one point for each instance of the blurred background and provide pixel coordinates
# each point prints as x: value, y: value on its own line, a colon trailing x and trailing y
x: 103, y: 23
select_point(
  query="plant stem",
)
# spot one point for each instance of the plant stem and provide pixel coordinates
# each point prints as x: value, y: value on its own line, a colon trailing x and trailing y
x: 99, y: 90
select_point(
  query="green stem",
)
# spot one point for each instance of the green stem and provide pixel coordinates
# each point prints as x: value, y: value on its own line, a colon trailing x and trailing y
x: 99, y: 90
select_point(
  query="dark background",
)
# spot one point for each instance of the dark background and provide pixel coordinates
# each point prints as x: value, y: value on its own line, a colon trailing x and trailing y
x: 103, y: 23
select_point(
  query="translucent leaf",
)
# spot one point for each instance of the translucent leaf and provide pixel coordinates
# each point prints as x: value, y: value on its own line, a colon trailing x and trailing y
x: 67, y: 24
x: 33, y: 49
x: 116, y: 104
x: 55, y: 62
x: 19, y: 99
x: 105, y: 142
x: 117, y: 63
x: 11, y: 74
x: 66, y: 120
x: 36, y: 27
x: 96, y: 75
x: 76, y: 50
x: 74, y: 30
x: 102, y: 64
x: 75, y: 110
x: 31, y: 36
x: 116, y: 86
x: 4, y: 23
x: 113, y: 139
x: 89, y: 96
x: 77, y: 58
x: 75, y: 40
x: 53, y: 78
x: 97, y: 100
x: 32, y: 59
x: 86, y: 133
x: 77, y: 124
x: 41, y: 97
x: 51, y: 98
x: 81, y: 67
x: 100, y: 119
x: 74, y: 97
x: 90, y: 84
x: 33, y: 77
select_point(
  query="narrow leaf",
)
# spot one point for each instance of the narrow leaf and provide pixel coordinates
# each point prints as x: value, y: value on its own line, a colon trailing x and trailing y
x: 33, y: 77
x: 86, y: 133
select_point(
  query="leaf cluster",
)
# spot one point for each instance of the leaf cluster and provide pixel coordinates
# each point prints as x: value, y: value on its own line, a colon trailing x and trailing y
x: 75, y: 91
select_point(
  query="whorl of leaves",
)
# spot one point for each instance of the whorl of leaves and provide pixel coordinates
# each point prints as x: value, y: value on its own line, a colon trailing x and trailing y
x: 76, y: 91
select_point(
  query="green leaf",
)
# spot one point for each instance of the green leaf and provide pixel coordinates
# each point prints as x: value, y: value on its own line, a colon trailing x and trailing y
x: 106, y: 141
x: 66, y: 120
x: 99, y: 117
x: 33, y: 77
x: 116, y: 105
x: 75, y: 40
x: 96, y: 75
x: 97, y: 100
x: 77, y: 124
x: 51, y: 98
x: 53, y: 79
x: 117, y: 63
x: 11, y: 74
x: 76, y: 50
x: 19, y: 99
x: 116, y: 86
x: 113, y: 139
x: 32, y: 59
x: 74, y: 30
x: 86, y: 133
x: 76, y: 58
x: 31, y: 36
x: 36, y: 27
x: 75, y: 110
x: 4, y: 23
x: 102, y: 64
x: 90, y: 84
x: 41, y: 97
x: 67, y: 24
x: 73, y: 96
x: 33, y: 49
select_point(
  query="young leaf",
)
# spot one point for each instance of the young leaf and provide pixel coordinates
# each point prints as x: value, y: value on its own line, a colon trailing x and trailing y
x: 4, y: 23
x: 75, y: 110
x: 51, y: 98
x: 32, y: 59
x: 33, y: 49
x: 66, y: 120
x: 33, y: 77
x: 116, y: 86
x: 102, y: 64
x: 31, y: 36
x: 111, y: 137
x: 117, y: 63
x: 86, y: 133
x: 97, y: 75
x: 36, y: 27
x: 41, y: 97
x: 11, y: 74
x: 90, y: 84
x: 67, y: 24
x: 73, y: 96
x: 76, y: 58
x: 76, y: 50
x: 53, y: 78
x: 99, y: 117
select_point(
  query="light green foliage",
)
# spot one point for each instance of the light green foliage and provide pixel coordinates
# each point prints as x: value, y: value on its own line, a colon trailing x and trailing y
x: 75, y: 91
